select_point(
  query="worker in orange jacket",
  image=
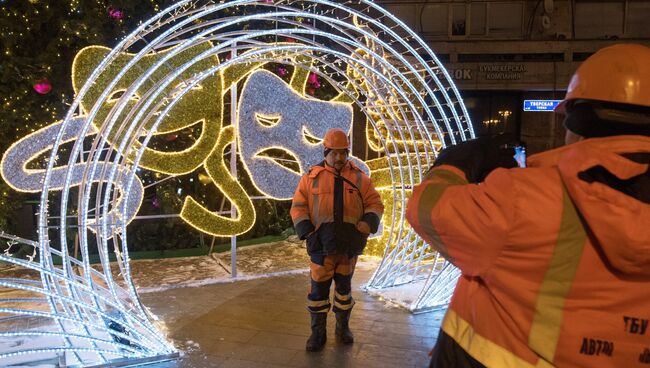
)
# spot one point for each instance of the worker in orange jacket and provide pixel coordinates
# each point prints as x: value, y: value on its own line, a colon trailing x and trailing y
x: 335, y: 208
x: 555, y: 257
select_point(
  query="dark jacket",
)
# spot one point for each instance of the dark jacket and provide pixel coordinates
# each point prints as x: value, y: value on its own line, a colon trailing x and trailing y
x: 327, y: 206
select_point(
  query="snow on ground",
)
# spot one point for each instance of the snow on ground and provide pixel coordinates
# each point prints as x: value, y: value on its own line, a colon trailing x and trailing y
x: 257, y: 261
x: 263, y: 260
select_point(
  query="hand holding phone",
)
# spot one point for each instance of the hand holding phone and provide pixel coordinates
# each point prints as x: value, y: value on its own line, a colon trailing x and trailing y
x: 520, y: 155
x: 516, y: 151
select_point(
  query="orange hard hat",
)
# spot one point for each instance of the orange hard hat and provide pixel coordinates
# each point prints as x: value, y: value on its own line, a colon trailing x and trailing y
x: 336, y: 138
x: 618, y: 73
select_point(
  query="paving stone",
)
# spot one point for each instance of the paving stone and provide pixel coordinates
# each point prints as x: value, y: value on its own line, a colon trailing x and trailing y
x: 405, y: 329
x: 200, y: 360
x: 388, y: 339
x: 279, y: 339
x: 395, y: 356
x: 333, y: 355
x: 239, y: 363
x: 264, y: 354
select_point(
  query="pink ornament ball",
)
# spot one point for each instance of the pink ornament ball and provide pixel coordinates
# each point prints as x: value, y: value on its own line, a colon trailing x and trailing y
x: 313, y: 78
x: 43, y: 87
x: 115, y: 13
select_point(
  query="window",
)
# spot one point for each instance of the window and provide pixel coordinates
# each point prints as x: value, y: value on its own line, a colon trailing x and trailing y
x: 406, y: 13
x: 478, y: 19
x: 599, y: 19
x: 638, y: 14
x: 433, y: 19
x: 506, y: 19
x: 581, y: 56
x: 458, y: 20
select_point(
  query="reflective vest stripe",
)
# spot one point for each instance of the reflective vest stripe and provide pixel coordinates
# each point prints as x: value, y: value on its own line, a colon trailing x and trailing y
x: 314, y: 202
x: 343, y: 298
x: 318, y: 303
x: 359, y: 182
x: 343, y: 306
x: 433, y: 191
x: 299, y: 219
x: 547, y: 321
x: 481, y: 348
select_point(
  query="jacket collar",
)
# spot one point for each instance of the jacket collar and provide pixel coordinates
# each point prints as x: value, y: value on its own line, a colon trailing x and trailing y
x: 322, y: 166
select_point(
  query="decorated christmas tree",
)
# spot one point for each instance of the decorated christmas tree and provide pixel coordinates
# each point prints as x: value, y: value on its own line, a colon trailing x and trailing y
x: 40, y: 40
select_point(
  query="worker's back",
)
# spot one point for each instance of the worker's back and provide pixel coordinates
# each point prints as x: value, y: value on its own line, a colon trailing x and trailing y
x: 556, y: 263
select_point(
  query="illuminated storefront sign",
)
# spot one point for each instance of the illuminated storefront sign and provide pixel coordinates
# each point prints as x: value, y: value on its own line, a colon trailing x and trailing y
x: 540, y: 105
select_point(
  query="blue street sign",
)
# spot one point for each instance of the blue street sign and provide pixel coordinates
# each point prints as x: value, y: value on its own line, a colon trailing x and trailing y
x: 540, y: 105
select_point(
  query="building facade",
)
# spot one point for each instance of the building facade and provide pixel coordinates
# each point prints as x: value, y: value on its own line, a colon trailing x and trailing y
x: 501, y: 53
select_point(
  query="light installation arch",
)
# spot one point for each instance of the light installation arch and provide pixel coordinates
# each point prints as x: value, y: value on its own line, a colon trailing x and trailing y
x: 179, y: 69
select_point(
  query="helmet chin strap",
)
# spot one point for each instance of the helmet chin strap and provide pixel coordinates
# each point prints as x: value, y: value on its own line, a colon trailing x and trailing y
x: 592, y: 119
x: 628, y: 117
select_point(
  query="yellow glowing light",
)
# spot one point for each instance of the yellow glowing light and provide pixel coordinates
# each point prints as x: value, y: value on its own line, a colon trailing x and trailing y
x: 202, y: 219
x: 205, y: 107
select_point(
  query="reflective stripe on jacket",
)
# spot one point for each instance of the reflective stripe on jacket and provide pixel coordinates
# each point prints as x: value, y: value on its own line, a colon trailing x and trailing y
x: 555, y: 257
x: 316, y: 203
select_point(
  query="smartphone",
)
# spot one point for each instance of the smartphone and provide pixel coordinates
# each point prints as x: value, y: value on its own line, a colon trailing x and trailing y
x: 520, y: 155
x: 518, y: 152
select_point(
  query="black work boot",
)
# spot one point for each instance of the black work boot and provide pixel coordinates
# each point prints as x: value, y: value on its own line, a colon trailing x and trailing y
x: 318, y: 332
x: 343, y: 333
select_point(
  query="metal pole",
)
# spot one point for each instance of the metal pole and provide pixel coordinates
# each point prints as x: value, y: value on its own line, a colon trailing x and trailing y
x: 233, y: 168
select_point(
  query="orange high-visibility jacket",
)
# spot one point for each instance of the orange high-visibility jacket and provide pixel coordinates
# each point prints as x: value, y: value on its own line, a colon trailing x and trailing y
x: 555, y: 263
x: 313, y: 208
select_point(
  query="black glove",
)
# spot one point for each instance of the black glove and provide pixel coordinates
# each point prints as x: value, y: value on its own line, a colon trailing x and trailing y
x: 304, y: 228
x: 478, y: 157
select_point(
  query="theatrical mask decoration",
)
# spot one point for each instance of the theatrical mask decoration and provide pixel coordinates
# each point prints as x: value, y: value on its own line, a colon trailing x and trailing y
x: 16, y: 173
x: 274, y: 117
